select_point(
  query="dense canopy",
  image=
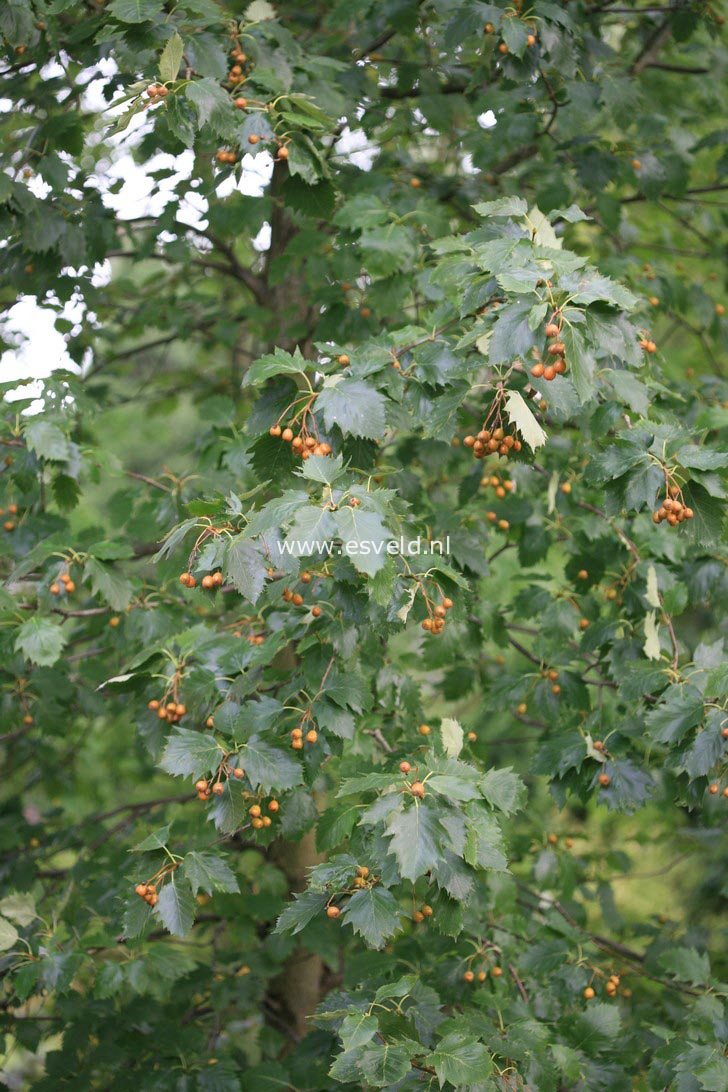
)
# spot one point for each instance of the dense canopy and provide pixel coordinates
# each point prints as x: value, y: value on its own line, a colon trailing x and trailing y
x: 284, y: 806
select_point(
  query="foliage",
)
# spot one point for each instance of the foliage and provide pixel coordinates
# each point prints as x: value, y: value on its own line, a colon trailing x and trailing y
x: 350, y: 816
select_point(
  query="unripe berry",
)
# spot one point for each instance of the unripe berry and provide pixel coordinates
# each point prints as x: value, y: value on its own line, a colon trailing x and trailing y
x: 417, y: 789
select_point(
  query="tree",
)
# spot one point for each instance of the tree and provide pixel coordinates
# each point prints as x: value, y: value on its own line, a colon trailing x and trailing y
x: 286, y: 807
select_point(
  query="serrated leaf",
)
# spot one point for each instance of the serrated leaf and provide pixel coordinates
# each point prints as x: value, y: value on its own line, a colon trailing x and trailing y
x: 373, y: 914
x: 460, y: 1059
x: 452, y: 737
x: 279, y: 362
x: 651, y: 647
x: 269, y: 767
x: 300, y: 912
x: 190, y: 754
x: 385, y: 1064
x: 136, y: 11
x: 353, y: 405
x: 40, y: 640
x: 681, y: 710
x: 503, y: 789
x: 687, y: 964
x: 171, y: 59
x: 520, y: 415
x: 415, y: 838
x: 364, y: 538
x: 245, y: 567
x: 156, y: 840
x: 323, y: 468
x: 47, y: 440
x: 8, y: 934
x: 357, y: 1029
x: 209, y: 873
x: 110, y: 585
x: 19, y: 907
x: 208, y: 98
x: 176, y: 907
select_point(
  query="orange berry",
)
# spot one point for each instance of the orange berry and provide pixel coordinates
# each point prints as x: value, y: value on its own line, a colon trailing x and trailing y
x: 604, y: 780
x: 713, y: 789
x: 404, y: 767
x: 497, y: 972
x: 333, y: 912
x: 417, y: 789
x: 424, y: 729
x: 273, y: 806
x: 311, y: 736
x: 55, y: 589
x: 589, y: 993
x: 468, y: 976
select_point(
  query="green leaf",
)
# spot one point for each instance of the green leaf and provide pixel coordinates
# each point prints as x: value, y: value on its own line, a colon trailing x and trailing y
x: 521, y: 416
x: 176, y: 907
x: 415, y: 840
x: 208, y: 98
x: 357, y: 1030
x: 245, y: 567
x: 335, y: 825
x: 47, y: 440
x: 504, y: 206
x: 323, y: 468
x: 687, y: 964
x: 364, y: 538
x: 110, y: 585
x: 278, y: 362
x: 300, y: 912
x: 504, y: 790
x: 209, y: 873
x: 136, y: 11
x: 8, y: 934
x: 385, y: 1064
x: 40, y: 640
x: 19, y: 907
x: 452, y: 737
x: 190, y: 754
x: 156, y: 840
x: 681, y: 710
x: 460, y: 1059
x: 269, y: 767
x: 353, y: 405
x: 373, y: 914
x: 171, y: 59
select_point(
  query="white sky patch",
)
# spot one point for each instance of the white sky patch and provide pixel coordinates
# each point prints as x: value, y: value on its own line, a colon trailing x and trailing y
x: 487, y: 120
x: 355, y: 145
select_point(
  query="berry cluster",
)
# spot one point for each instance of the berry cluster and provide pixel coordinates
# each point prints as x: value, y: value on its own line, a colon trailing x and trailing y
x: 555, y: 348
x: 673, y: 509
x: 648, y: 345
x: 297, y: 599
x: 301, y: 432
x: 418, y: 916
x: 471, y: 976
x: 436, y: 612
x: 492, y: 441
x: 149, y: 890
x: 211, y: 580
x: 305, y: 731
x: 12, y: 510
x: 500, y: 485
x: 171, y: 711
x: 258, y: 821
x: 63, y: 584
x: 610, y: 988
x: 156, y: 92
x: 416, y: 788
x: 362, y: 879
